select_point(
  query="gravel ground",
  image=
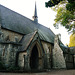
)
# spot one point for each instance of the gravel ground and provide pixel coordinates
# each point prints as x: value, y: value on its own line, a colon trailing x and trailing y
x: 53, y: 72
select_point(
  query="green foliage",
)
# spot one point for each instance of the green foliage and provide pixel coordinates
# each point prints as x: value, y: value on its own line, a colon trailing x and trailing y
x: 13, y: 68
x: 65, y: 13
x: 71, y: 1
x: 2, y: 67
x: 52, y: 3
x: 64, y: 17
x: 70, y: 6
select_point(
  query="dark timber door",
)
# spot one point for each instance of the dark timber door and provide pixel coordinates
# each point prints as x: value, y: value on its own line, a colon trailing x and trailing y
x: 34, y: 58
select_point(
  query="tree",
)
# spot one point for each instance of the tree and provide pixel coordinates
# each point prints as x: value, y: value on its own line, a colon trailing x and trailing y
x: 52, y: 3
x: 65, y: 13
x: 72, y: 40
x: 69, y: 6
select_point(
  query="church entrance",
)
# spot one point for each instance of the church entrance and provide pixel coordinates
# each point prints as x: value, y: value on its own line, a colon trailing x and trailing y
x: 34, y: 58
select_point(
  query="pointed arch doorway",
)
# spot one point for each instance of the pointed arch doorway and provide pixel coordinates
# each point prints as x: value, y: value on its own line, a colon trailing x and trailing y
x: 34, y: 58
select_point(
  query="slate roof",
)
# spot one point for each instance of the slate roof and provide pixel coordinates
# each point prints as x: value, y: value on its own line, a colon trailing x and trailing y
x: 27, y: 40
x: 18, y: 23
x: 64, y: 48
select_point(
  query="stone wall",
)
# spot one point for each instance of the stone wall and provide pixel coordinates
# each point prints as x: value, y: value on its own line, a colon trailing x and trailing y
x: 58, y: 58
x: 9, y: 45
x: 22, y: 60
x: 8, y: 53
x: 69, y: 58
x: 11, y: 36
x: 48, y: 53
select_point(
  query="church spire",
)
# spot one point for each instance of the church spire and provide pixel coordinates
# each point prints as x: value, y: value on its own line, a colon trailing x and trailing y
x: 35, y: 17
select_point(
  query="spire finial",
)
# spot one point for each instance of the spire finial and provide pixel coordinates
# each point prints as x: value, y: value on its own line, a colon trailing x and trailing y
x: 35, y: 17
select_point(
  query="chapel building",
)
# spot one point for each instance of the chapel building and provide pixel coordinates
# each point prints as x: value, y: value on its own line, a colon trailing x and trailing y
x: 26, y: 44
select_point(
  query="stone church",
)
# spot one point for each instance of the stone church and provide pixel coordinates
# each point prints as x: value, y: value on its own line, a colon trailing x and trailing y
x: 26, y: 44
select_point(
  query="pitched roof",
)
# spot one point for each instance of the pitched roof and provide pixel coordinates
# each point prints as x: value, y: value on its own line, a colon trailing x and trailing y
x: 18, y: 23
x: 26, y: 40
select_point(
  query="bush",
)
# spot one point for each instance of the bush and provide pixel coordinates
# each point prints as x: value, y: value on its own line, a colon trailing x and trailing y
x: 13, y: 68
x: 2, y: 67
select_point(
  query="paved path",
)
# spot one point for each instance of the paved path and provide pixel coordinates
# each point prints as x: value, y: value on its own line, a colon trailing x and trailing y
x: 53, y: 72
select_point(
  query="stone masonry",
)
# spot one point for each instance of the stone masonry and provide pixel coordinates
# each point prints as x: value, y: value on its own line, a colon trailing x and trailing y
x: 58, y: 58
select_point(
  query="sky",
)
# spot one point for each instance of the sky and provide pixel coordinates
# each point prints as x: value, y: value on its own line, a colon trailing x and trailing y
x: 46, y: 16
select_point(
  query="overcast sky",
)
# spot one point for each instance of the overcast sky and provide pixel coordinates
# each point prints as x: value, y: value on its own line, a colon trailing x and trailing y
x: 45, y: 15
